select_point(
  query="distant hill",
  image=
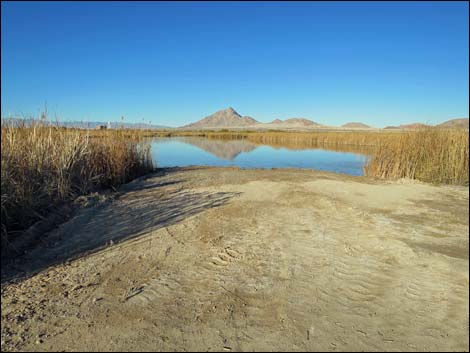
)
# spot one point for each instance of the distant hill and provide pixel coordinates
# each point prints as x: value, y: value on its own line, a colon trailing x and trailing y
x: 354, y: 125
x: 226, y: 118
x: 291, y: 123
x: 300, y: 121
x: 455, y: 123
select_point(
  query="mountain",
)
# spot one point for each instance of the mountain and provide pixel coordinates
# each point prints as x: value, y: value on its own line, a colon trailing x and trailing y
x: 355, y: 125
x: 229, y: 118
x: 455, y: 123
x: 226, y: 118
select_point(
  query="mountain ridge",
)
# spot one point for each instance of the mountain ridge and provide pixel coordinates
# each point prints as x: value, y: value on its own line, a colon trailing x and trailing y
x: 230, y: 118
x: 86, y: 124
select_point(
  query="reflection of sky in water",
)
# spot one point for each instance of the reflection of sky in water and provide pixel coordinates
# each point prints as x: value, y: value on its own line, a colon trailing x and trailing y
x: 171, y: 152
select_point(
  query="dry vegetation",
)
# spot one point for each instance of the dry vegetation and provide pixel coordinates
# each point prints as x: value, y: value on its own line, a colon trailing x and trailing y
x: 430, y: 154
x: 304, y: 139
x: 45, y: 166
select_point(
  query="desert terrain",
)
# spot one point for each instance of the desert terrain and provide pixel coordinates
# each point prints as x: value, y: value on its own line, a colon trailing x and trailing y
x: 213, y: 259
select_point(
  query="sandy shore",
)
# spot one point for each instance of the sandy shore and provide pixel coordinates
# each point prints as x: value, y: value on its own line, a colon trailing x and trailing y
x: 235, y: 260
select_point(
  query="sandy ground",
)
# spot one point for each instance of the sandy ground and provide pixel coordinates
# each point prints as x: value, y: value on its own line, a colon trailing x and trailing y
x: 236, y: 260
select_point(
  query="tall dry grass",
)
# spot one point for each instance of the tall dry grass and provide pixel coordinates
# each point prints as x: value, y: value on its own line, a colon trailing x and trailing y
x: 313, y: 138
x: 431, y: 154
x: 45, y: 166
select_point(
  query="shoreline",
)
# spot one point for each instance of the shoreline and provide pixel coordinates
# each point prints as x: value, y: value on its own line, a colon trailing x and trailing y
x: 32, y: 235
x: 250, y: 260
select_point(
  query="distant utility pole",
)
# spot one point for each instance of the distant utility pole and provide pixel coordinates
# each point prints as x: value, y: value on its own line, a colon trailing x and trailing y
x: 44, y: 113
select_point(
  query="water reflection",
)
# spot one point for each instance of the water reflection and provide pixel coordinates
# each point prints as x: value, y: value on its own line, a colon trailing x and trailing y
x: 186, y: 151
x: 225, y: 149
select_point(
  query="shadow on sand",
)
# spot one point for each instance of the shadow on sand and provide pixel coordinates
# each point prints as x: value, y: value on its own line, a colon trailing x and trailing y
x: 142, y: 207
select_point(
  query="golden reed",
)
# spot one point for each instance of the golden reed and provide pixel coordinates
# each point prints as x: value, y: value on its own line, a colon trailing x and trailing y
x: 44, y: 166
x: 430, y: 154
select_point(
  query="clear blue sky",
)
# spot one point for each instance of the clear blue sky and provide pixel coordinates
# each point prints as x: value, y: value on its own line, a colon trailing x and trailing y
x: 173, y: 63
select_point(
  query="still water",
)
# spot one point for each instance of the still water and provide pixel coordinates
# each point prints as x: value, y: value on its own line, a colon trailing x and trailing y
x: 190, y: 151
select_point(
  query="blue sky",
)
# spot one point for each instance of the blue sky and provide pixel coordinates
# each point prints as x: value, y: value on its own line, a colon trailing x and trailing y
x: 173, y: 63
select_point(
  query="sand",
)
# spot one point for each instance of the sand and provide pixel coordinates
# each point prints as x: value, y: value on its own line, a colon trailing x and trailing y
x: 223, y: 259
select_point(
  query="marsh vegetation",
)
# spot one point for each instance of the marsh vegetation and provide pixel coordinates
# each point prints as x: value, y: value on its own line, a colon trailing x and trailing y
x: 430, y: 154
x: 44, y: 166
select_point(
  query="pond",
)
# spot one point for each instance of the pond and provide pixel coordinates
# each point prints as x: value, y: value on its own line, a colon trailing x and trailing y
x: 191, y: 151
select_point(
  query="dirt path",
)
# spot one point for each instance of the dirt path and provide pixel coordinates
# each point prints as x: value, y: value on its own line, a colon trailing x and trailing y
x: 234, y: 260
